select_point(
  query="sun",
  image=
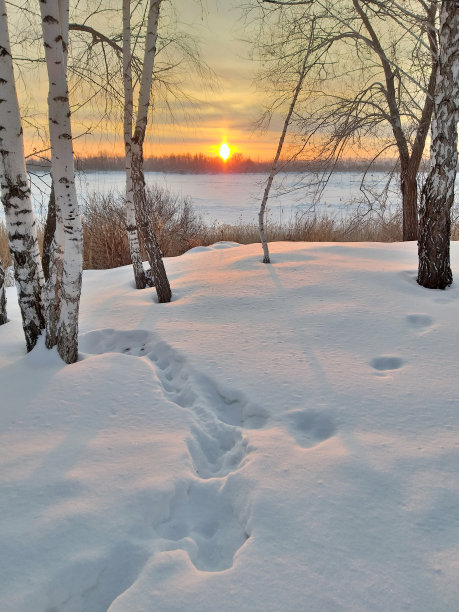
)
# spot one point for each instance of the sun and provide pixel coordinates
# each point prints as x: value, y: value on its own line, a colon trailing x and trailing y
x: 224, y: 151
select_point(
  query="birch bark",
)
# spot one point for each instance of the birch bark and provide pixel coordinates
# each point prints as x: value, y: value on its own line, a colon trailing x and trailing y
x: 131, y: 222
x: 158, y: 270
x: 16, y: 198
x: 434, y: 270
x: 3, y: 317
x: 64, y: 284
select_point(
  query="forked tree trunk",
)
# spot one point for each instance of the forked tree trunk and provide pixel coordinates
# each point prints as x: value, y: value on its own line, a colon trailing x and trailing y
x: 150, y: 243
x: 438, y: 192
x: 3, y: 317
x: 409, y: 161
x: 16, y: 198
x: 66, y: 272
x: 131, y: 222
x: 158, y: 270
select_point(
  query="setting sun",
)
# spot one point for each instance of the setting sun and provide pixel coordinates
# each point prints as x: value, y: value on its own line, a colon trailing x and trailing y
x: 224, y: 151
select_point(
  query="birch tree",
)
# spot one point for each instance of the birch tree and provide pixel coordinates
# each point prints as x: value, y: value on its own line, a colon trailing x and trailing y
x: 150, y: 242
x: 64, y: 283
x: 180, y: 58
x: 16, y: 198
x: 128, y: 110
x: 438, y: 192
x: 3, y: 317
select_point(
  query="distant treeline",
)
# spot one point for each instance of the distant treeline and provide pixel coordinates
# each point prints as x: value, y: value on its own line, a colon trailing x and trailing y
x: 201, y: 164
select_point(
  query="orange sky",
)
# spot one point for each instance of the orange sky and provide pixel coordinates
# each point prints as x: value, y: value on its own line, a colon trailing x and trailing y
x: 227, y: 113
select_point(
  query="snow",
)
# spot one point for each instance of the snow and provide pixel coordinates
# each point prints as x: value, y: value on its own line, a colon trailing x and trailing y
x: 279, y: 437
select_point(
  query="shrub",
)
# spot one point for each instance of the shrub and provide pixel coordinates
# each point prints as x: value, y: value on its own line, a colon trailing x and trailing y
x: 177, y: 226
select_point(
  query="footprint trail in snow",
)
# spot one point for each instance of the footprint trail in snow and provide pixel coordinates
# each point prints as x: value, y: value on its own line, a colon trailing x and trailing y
x: 203, y: 518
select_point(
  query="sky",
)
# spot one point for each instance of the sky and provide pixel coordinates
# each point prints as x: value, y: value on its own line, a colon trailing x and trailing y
x: 209, y: 111
x: 224, y: 112
x: 229, y: 112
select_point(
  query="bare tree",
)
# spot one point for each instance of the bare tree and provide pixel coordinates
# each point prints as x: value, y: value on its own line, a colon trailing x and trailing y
x: 373, y: 70
x: 128, y: 111
x: 438, y: 191
x: 3, y: 317
x: 140, y: 73
x: 16, y: 197
x: 64, y: 283
x: 275, y: 163
x: 158, y: 270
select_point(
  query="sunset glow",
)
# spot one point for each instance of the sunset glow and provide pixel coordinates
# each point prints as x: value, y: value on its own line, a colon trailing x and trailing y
x: 224, y: 151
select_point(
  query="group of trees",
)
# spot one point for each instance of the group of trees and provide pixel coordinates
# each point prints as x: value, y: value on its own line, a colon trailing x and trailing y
x: 53, y: 306
x: 358, y: 71
x: 349, y: 70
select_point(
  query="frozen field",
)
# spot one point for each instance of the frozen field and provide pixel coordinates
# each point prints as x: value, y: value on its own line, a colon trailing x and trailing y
x: 230, y: 198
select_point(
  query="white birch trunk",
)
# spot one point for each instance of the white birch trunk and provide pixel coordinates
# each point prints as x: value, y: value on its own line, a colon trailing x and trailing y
x: 66, y: 268
x: 160, y: 279
x: 438, y: 192
x: 131, y: 223
x: 16, y: 198
x: 3, y: 317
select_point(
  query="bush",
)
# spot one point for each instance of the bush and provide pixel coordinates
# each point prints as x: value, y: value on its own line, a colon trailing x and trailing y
x: 105, y: 244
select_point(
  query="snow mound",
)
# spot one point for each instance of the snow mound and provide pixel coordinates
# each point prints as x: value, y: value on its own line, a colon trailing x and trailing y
x: 217, y: 246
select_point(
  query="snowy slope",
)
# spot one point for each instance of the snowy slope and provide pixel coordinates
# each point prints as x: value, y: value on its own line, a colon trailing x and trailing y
x: 278, y: 438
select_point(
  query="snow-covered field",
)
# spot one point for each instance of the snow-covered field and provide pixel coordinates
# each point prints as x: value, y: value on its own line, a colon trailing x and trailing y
x: 278, y: 438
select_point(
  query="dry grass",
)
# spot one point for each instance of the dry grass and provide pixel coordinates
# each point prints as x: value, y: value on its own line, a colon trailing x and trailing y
x: 5, y: 256
x: 180, y: 228
x: 4, y: 250
x: 311, y: 229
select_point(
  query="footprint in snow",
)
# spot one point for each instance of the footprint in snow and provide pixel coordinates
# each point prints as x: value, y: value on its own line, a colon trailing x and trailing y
x: 386, y: 362
x: 203, y: 522
x: 420, y: 322
x: 310, y: 427
x: 93, y: 583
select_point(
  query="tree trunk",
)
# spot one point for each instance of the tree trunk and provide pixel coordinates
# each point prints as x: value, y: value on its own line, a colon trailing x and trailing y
x: 434, y: 270
x: 66, y: 274
x: 409, y: 189
x: 272, y: 174
x: 3, y: 317
x: 48, y: 236
x: 144, y: 223
x: 16, y: 198
x: 131, y: 222
x: 409, y: 162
